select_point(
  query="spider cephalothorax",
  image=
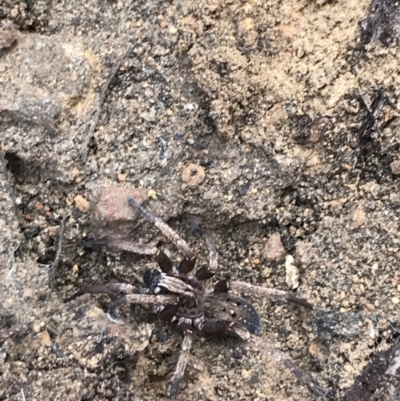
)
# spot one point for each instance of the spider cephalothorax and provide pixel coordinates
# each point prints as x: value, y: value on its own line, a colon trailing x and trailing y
x: 179, y: 297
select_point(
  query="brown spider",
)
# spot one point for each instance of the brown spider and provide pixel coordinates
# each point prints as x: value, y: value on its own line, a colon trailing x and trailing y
x: 180, y: 298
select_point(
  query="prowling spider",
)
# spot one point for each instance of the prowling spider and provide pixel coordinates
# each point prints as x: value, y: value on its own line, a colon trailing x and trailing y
x: 180, y: 298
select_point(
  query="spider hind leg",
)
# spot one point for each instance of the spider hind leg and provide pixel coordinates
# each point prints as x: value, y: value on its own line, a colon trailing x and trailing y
x: 181, y: 365
x: 280, y: 357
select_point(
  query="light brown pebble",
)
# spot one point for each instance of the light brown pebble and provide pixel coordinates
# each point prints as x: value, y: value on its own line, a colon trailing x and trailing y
x: 395, y: 300
x: 367, y: 304
x: 193, y: 175
x: 246, y: 24
x: 359, y: 217
x: 45, y: 338
x: 395, y: 167
x: 14, y: 12
x: 7, y: 38
x: 81, y: 203
x: 112, y: 203
x: 274, y: 249
x: 316, y: 350
x: 112, y: 214
x: 121, y: 177
x: 151, y: 193
x: 246, y: 374
x: 38, y: 326
x: 292, y: 272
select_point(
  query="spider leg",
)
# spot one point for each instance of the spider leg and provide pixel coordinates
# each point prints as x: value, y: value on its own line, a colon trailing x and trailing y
x: 110, y: 289
x: 143, y: 300
x: 142, y: 249
x: 282, y: 358
x: 181, y: 365
x: 182, y: 245
x: 275, y: 295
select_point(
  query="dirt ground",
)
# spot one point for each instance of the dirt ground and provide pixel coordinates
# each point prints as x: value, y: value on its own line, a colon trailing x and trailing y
x: 291, y: 107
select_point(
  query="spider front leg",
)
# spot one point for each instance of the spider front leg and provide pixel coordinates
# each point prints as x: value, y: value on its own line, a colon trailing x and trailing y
x: 181, y: 244
x: 181, y: 365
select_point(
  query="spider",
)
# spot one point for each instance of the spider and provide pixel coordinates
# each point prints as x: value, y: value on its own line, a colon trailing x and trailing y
x: 180, y: 298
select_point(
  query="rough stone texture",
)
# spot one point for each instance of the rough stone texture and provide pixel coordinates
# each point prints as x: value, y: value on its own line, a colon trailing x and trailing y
x: 292, y: 108
x: 38, y: 90
x: 274, y: 249
x: 359, y: 217
x: 7, y: 38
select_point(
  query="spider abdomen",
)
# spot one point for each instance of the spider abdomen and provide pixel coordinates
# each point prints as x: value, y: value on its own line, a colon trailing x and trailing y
x: 229, y: 307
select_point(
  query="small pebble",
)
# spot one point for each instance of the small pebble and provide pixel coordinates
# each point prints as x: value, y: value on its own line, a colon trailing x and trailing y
x: 395, y: 167
x: 316, y: 351
x: 246, y: 374
x: 121, y: 177
x: 359, y: 217
x: 45, y: 338
x: 274, y: 249
x: 3, y: 356
x: 14, y: 12
x: 81, y: 203
x: 7, y: 38
x: 28, y: 217
x: 395, y: 300
x: 152, y: 194
x: 292, y: 272
x: 112, y: 214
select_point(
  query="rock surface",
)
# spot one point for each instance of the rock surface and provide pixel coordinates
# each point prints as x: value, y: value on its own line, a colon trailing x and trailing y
x: 292, y: 110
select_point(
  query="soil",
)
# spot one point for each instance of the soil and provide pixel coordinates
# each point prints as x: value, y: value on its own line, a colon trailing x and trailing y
x: 287, y: 110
